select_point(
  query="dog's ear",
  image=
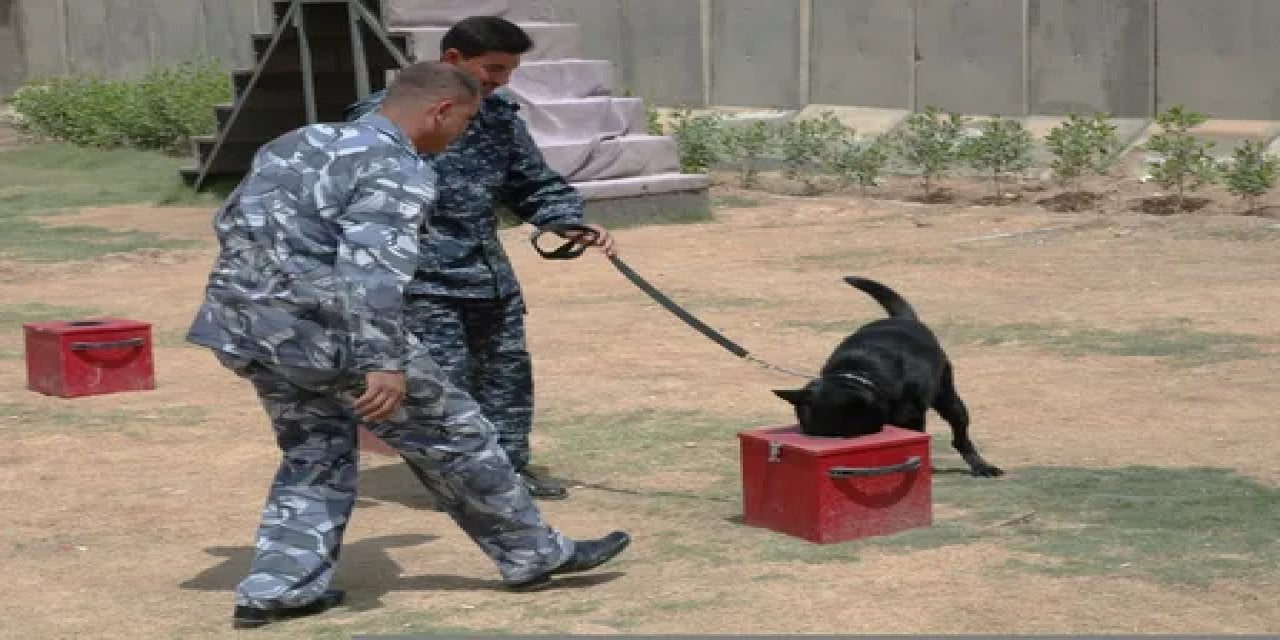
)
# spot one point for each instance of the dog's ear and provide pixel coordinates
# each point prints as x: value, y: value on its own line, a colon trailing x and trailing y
x: 794, y: 396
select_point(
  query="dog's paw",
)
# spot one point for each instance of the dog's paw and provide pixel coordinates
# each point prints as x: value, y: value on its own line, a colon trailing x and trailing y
x: 987, y: 471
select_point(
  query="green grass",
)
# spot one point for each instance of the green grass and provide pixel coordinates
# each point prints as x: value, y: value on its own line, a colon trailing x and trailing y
x: 56, y: 178
x: 31, y: 420
x: 1179, y: 526
x: 1257, y: 234
x: 1177, y: 342
x: 13, y: 315
x: 1183, y: 526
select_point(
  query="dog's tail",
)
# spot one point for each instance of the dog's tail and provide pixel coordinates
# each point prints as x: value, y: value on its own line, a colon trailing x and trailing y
x: 888, y: 298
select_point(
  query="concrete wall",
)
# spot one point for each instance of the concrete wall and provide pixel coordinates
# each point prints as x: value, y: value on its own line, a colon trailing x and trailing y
x: 1012, y: 57
x: 11, y: 63
x: 1009, y: 57
x: 126, y: 37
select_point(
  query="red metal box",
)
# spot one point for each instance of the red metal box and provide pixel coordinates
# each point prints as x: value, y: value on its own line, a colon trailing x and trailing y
x: 836, y: 489
x: 89, y: 357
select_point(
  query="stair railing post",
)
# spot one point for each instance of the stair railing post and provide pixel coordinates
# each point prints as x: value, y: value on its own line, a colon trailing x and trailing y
x: 357, y: 51
x: 304, y: 56
x: 248, y: 89
x: 382, y: 35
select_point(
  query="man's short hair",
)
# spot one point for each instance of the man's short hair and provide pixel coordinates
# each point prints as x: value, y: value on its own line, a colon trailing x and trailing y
x: 429, y: 82
x: 478, y: 35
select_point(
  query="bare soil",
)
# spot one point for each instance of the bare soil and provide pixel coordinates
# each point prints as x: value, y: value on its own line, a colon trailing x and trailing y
x: 142, y: 525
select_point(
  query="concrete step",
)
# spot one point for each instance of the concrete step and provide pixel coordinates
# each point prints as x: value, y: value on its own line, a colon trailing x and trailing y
x: 621, y: 157
x: 645, y: 185
x: 444, y: 13
x: 537, y: 80
x: 638, y: 200
x: 573, y: 119
x: 551, y: 40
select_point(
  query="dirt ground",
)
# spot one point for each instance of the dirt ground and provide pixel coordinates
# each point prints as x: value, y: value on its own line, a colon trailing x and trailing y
x: 139, y: 523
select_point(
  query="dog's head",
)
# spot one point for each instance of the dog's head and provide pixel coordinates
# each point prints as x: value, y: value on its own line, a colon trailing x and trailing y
x: 838, y: 404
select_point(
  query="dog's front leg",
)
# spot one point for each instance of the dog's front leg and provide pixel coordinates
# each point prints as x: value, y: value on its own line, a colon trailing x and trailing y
x: 952, y: 409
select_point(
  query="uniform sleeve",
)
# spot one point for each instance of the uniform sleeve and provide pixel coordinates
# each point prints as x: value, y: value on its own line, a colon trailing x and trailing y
x: 377, y: 255
x: 534, y: 191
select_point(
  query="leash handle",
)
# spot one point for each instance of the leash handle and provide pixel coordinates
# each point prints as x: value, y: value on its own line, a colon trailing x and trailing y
x: 569, y: 250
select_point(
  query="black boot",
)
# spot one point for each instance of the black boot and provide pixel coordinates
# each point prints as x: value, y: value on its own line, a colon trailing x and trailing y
x: 542, y: 486
x: 587, y: 555
x: 246, y: 617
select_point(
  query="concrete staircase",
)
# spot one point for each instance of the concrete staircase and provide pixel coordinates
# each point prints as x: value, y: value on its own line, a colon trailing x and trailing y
x: 275, y: 104
x: 599, y: 142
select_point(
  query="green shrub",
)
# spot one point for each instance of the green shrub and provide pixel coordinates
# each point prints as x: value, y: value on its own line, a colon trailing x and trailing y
x: 744, y: 145
x: 161, y: 110
x: 1251, y: 173
x: 931, y: 143
x: 1082, y: 145
x: 698, y: 140
x: 1004, y: 147
x: 1185, y: 164
x: 858, y: 162
x: 806, y: 146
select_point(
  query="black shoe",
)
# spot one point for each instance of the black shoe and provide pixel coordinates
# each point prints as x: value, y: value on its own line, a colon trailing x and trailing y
x: 246, y: 617
x: 543, y: 487
x: 587, y: 555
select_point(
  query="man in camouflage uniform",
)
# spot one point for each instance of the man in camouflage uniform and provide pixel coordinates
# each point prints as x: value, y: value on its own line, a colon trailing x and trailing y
x: 465, y: 303
x: 305, y: 300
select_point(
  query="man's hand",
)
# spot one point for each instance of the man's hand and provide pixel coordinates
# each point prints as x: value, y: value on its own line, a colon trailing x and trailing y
x: 600, y: 238
x: 383, y: 393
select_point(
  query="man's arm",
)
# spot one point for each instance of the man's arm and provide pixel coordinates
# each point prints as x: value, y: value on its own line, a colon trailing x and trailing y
x: 377, y: 255
x: 534, y: 191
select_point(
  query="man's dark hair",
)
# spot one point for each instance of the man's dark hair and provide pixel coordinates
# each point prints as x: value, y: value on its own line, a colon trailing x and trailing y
x: 478, y: 35
x: 431, y: 81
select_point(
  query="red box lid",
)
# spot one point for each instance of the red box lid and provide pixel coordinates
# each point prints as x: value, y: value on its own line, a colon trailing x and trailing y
x: 791, y: 438
x: 87, y: 325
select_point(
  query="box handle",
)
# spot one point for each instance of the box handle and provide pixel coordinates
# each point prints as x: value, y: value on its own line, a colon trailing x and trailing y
x: 119, y: 344
x: 911, y: 464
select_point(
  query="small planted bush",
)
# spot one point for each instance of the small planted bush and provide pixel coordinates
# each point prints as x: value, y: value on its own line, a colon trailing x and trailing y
x: 930, y: 142
x: 806, y: 146
x: 1081, y: 146
x: 858, y: 162
x: 1251, y: 173
x: 744, y: 145
x: 1186, y: 165
x: 162, y: 110
x: 653, y: 121
x: 699, y: 140
x: 1002, y: 148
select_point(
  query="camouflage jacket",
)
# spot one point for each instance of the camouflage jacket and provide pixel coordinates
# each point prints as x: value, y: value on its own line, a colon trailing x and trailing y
x: 317, y: 245
x: 495, y: 162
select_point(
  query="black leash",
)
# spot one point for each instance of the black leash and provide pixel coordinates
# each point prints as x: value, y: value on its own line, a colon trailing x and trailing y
x: 572, y: 249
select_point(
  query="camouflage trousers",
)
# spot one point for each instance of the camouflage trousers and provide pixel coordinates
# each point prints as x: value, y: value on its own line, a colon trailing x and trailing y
x: 480, y: 345
x: 438, y: 429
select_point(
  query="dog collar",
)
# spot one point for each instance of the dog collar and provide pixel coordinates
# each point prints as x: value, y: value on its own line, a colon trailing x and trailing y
x: 856, y: 378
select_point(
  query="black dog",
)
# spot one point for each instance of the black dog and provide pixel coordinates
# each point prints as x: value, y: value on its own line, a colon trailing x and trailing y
x: 890, y: 371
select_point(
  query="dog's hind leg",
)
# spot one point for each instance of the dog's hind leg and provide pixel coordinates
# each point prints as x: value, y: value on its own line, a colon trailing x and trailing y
x: 952, y: 409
